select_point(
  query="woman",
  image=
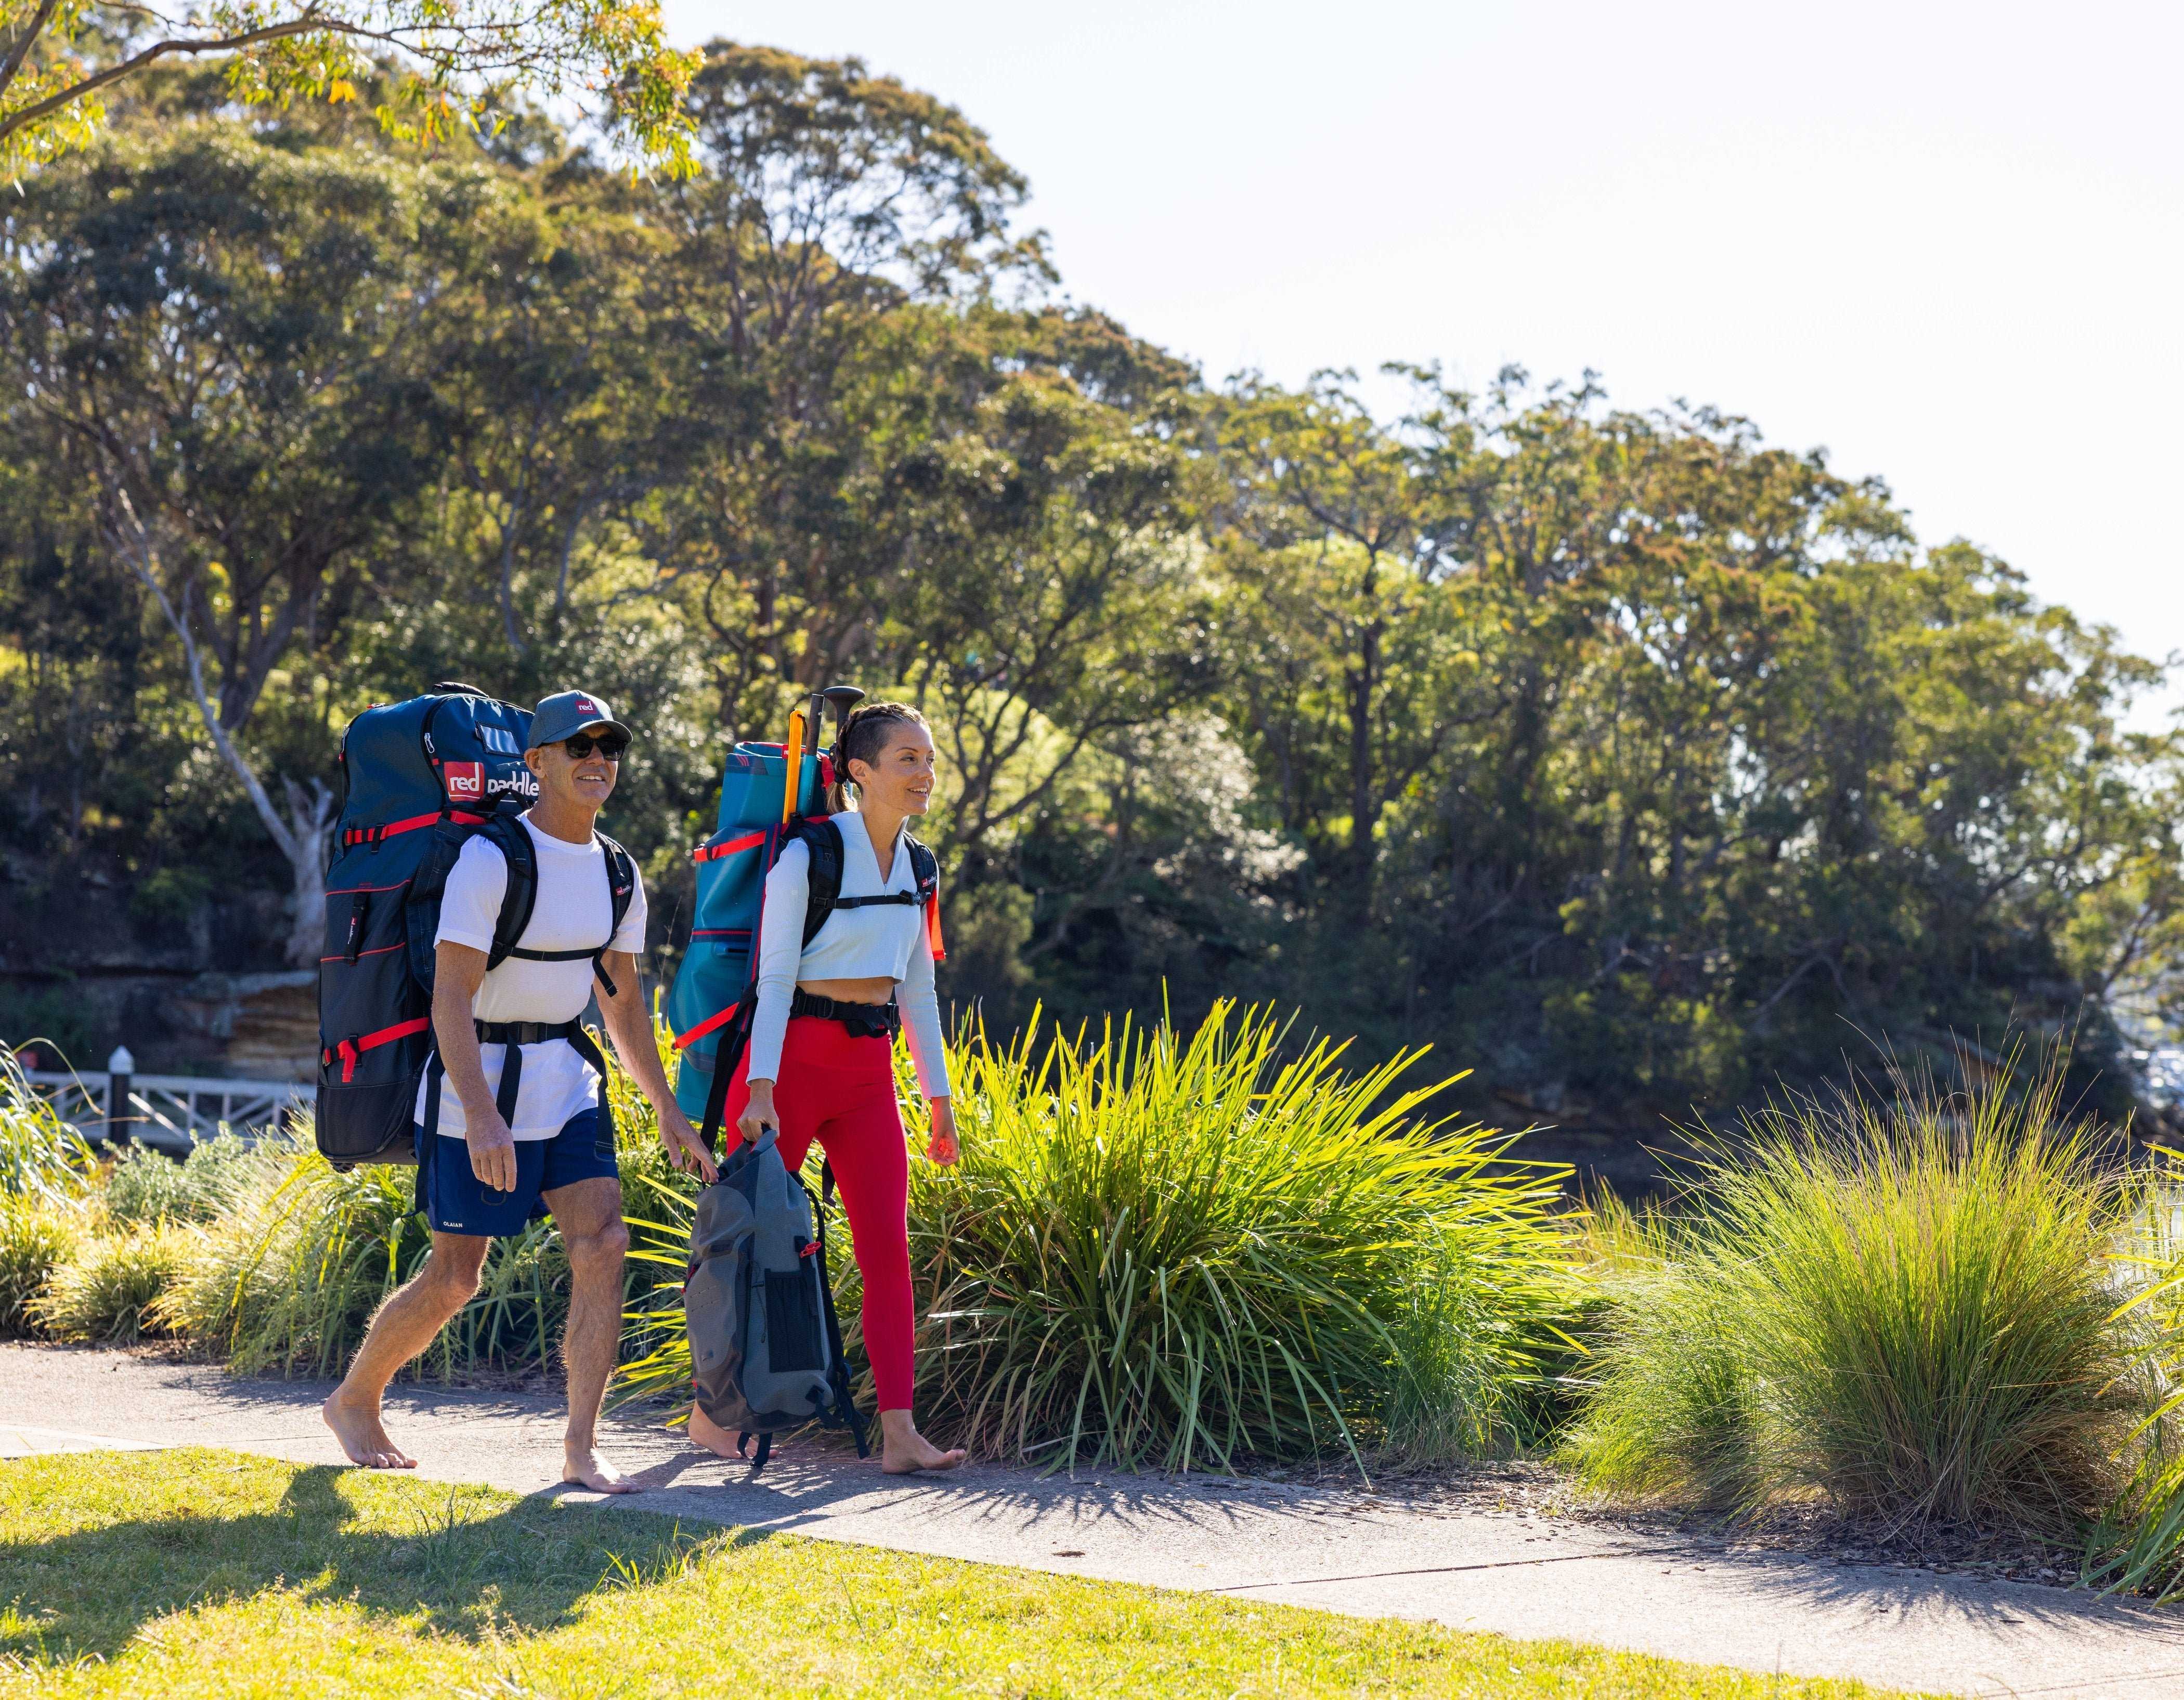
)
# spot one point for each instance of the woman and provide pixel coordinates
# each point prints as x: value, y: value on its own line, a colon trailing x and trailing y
x: 839, y: 1088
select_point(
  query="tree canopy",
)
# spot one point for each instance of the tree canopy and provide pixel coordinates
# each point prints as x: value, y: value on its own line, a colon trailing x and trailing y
x: 1637, y: 763
x: 432, y: 67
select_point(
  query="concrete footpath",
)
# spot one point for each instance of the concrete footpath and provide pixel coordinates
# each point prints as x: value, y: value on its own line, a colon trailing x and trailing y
x: 1341, y: 1549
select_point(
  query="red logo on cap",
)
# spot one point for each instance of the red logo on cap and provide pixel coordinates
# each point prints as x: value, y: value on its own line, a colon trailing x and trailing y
x: 585, y: 705
x: 464, y: 781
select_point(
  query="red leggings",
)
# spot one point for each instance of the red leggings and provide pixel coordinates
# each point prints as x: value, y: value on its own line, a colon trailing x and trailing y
x: 840, y: 1091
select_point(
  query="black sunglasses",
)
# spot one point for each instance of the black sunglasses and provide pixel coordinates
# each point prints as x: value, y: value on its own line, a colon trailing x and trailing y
x: 611, y: 745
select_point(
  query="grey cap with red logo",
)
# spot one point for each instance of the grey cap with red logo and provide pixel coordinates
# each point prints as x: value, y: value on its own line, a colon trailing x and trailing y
x: 567, y: 713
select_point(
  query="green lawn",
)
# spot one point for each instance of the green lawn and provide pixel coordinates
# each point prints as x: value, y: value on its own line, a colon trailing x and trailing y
x: 200, y: 1572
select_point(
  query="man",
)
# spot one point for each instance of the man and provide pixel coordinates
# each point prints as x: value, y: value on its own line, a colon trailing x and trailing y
x: 482, y: 1174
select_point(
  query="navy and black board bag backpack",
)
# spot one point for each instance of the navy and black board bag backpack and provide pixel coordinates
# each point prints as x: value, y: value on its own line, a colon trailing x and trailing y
x: 419, y: 777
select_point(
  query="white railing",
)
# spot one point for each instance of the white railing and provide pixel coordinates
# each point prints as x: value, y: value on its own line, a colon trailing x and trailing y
x: 172, y: 1111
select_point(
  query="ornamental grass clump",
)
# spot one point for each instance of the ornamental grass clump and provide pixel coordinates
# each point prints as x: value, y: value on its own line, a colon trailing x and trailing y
x: 1171, y: 1253
x: 1906, y: 1308
x: 41, y: 1156
x: 2138, y: 1547
x: 108, y: 1292
x: 288, y: 1279
x: 37, y: 1240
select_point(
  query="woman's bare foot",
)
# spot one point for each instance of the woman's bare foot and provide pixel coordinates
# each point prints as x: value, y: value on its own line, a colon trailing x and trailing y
x: 583, y: 1467
x: 709, y: 1435
x: 903, y: 1451
x: 362, y: 1435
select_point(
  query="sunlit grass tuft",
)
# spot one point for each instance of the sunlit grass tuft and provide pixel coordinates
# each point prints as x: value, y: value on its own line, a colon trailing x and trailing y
x: 1904, y: 1308
x: 37, y: 1240
x: 108, y: 1292
x: 40, y: 1156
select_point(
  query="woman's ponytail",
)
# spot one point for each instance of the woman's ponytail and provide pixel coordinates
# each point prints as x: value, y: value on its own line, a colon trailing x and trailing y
x: 865, y: 733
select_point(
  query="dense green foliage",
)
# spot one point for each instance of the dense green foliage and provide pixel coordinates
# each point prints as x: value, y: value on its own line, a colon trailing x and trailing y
x: 1170, y: 1252
x: 1909, y: 1309
x: 148, y: 1186
x: 1625, y: 757
x: 2138, y: 1545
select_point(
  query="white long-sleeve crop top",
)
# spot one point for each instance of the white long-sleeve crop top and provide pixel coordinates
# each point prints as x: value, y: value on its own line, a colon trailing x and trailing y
x: 888, y: 941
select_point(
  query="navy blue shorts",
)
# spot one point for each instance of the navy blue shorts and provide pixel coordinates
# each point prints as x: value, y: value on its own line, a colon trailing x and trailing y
x: 455, y: 1201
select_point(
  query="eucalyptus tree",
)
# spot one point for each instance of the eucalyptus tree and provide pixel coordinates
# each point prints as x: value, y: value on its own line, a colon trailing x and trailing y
x: 431, y: 68
x: 226, y: 330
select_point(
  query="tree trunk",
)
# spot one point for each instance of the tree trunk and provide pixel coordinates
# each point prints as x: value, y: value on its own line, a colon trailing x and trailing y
x: 303, y: 836
x: 311, y: 823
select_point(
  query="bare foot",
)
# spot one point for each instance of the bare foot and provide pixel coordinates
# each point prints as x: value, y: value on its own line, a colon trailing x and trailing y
x: 905, y: 1451
x: 362, y: 1435
x: 709, y: 1435
x: 583, y: 1467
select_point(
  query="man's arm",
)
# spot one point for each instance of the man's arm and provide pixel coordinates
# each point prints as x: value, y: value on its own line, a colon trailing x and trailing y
x: 629, y: 1026
x: 458, y: 971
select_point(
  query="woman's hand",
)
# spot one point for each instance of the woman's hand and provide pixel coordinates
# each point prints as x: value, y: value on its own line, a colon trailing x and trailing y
x: 759, y: 1115
x: 942, y: 1148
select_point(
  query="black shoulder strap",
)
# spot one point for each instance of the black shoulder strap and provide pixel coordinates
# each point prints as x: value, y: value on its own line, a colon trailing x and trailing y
x: 925, y: 866
x: 823, y: 839
x: 508, y: 834
x: 621, y: 887
x: 622, y: 881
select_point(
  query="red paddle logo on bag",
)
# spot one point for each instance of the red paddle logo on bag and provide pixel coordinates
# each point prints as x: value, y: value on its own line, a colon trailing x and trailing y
x: 464, y: 781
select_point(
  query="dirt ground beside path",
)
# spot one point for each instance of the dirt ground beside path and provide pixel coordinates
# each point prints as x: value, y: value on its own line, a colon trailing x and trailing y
x: 1481, y: 1552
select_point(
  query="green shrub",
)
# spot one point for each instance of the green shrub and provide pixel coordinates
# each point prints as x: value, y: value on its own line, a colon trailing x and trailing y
x: 288, y: 1279
x: 2137, y: 1546
x: 35, y: 1239
x: 1161, y: 1252
x: 108, y: 1292
x: 40, y: 1155
x: 147, y: 1187
x: 1906, y: 1308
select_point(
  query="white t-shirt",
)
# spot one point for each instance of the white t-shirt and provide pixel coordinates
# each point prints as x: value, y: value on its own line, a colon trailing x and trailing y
x: 573, y: 912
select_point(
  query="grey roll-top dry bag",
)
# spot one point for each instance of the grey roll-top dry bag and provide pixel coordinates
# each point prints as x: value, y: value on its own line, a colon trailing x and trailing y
x: 766, y: 1349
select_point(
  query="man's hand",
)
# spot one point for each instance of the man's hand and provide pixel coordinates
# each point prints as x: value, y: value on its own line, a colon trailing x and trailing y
x: 685, y: 1149
x: 759, y: 1113
x: 942, y: 1148
x: 493, y: 1150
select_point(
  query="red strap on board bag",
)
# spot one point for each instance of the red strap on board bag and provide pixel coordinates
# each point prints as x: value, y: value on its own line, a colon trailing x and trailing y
x: 350, y: 1049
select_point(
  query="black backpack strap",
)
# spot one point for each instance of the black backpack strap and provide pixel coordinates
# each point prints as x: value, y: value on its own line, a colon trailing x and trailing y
x: 822, y: 838
x: 587, y: 1048
x: 508, y: 834
x: 838, y: 1373
x: 621, y: 892
x: 924, y: 867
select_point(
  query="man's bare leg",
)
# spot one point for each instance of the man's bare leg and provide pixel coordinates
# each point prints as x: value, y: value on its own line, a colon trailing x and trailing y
x: 589, y: 1215
x: 409, y: 1321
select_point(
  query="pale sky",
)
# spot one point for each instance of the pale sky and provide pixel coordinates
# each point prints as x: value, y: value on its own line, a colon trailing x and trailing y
x: 1944, y: 241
